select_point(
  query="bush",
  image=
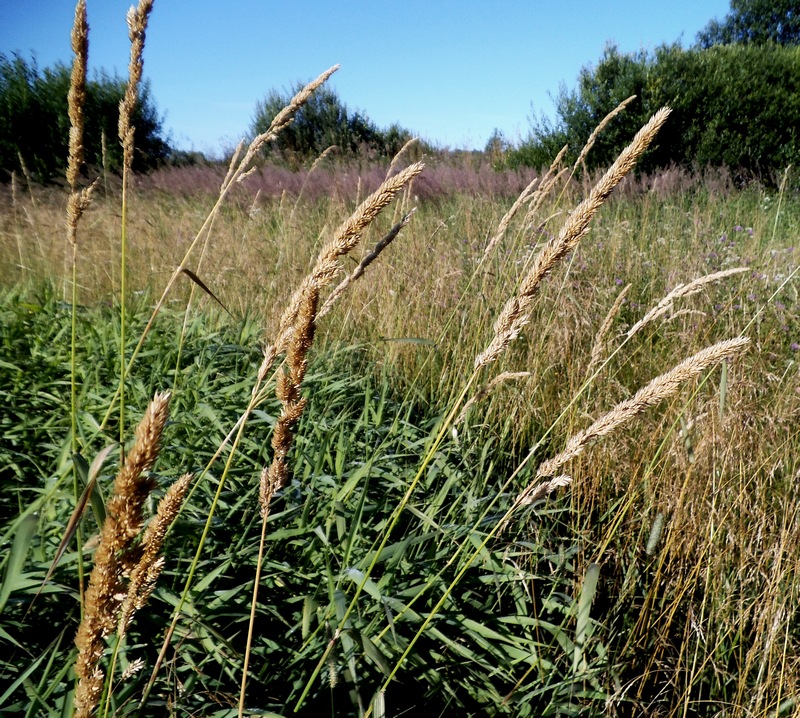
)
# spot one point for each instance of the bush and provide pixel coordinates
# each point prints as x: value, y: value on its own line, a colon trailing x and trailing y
x: 34, y: 124
x: 721, y: 117
x: 324, y: 121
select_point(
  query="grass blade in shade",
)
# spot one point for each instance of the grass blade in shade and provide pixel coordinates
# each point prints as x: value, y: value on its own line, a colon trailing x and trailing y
x: 16, y: 557
x: 583, y: 629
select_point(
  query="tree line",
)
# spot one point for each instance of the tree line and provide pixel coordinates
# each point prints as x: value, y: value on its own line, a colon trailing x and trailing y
x: 735, y: 97
x: 34, y: 124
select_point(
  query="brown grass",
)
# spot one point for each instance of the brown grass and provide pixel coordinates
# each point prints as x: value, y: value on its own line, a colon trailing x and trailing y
x: 514, y: 316
x: 115, y: 556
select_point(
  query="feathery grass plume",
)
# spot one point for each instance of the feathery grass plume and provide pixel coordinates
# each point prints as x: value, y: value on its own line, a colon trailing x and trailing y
x: 682, y: 290
x: 508, y: 216
x: 114, y: 556
x: 597, y: 130
x: 295, y: 336
x: 76, y: 98
x: 399, y: 154
x: 368, y: 259
x: 600, y: 337
x: 327, y: 265
x: 284, y: 118
x: 658, y: 389
x: 77, y: 203
x: 288, y: 392
x: 484, y: 391
x: 514, y: 315
x: 137, y: 26
x: 147, y: 569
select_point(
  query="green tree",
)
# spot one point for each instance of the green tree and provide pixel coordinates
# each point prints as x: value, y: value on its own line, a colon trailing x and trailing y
x: 322, y: 122
x: 720, y: 115
x: 755, y: 22
x: 34, y: 123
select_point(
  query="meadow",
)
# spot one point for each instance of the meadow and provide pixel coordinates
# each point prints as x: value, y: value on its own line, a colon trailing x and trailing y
x: 663, y: 579
x: 368, y: 439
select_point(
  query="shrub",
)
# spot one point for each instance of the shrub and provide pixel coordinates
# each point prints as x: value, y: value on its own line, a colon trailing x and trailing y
x: 34, y: 125
x: 721, y: 117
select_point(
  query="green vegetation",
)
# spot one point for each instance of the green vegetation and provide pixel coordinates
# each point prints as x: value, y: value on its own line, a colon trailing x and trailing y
x: 735, y: 96
x: 689, y: 515
x: 34, y: 125
x: 755, y: 22
x: 324, y: 121
x: 721, y: 116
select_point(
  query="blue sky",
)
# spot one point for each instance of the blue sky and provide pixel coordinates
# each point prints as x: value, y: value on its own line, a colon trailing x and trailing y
x: 450, y: 71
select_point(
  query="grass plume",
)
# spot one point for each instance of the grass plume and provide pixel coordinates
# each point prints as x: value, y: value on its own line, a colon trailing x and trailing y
x: 114, y: 557
x: 515, y: 314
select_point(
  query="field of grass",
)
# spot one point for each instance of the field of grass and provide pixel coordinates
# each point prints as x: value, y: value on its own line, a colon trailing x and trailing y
x: 661, y: 581
x: 532, y: 456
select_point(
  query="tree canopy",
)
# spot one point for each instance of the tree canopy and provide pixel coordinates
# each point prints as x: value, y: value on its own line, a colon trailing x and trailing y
x: 324, y: 121
x: 755, y: 22
x: 34, y: 124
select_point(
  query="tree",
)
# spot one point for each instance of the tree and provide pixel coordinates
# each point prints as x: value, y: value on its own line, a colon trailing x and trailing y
x: 720, y: 115
x: 755, y: 22
x: 324, y: 120
x: 34, y: 123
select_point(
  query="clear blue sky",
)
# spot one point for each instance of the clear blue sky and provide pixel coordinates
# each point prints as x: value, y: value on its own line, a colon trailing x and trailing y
x: 449, y: 71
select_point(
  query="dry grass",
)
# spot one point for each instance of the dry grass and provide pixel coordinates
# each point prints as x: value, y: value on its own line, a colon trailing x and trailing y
x: 516, y: 313
x: 116, y: 556
x: 425, y: 313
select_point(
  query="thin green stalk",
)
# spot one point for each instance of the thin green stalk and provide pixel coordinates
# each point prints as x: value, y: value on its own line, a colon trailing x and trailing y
x: 251, y: 625
x: 73, y: 412
x: 122, y: 292
x: 239, y: 428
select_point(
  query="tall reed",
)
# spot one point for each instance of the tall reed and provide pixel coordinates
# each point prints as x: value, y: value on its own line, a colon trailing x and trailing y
x: 137, y: 26
x: 77, y: 203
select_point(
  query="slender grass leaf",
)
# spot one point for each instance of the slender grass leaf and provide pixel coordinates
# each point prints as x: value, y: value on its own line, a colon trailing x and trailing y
x: 16, y: 558
x: 374, y: 654
x: 583, y: 628
x: 199, y: 282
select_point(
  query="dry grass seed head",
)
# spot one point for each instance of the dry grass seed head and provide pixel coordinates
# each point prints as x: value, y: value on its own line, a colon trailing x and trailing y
x: 78, y: 201
x: 137, y: 26
x: 657, y: 390
x: 146, y: 572
x: 514, y: 315
x: 597, y: 130
x: 114, y: 556
x: 76, y: 96
x: 682, y: 290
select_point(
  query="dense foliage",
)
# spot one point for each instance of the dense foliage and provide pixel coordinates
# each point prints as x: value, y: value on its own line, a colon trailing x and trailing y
x: 756, y: 22
x: 325, y: 121
x: 722, y: 117
x: 34, y: 125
